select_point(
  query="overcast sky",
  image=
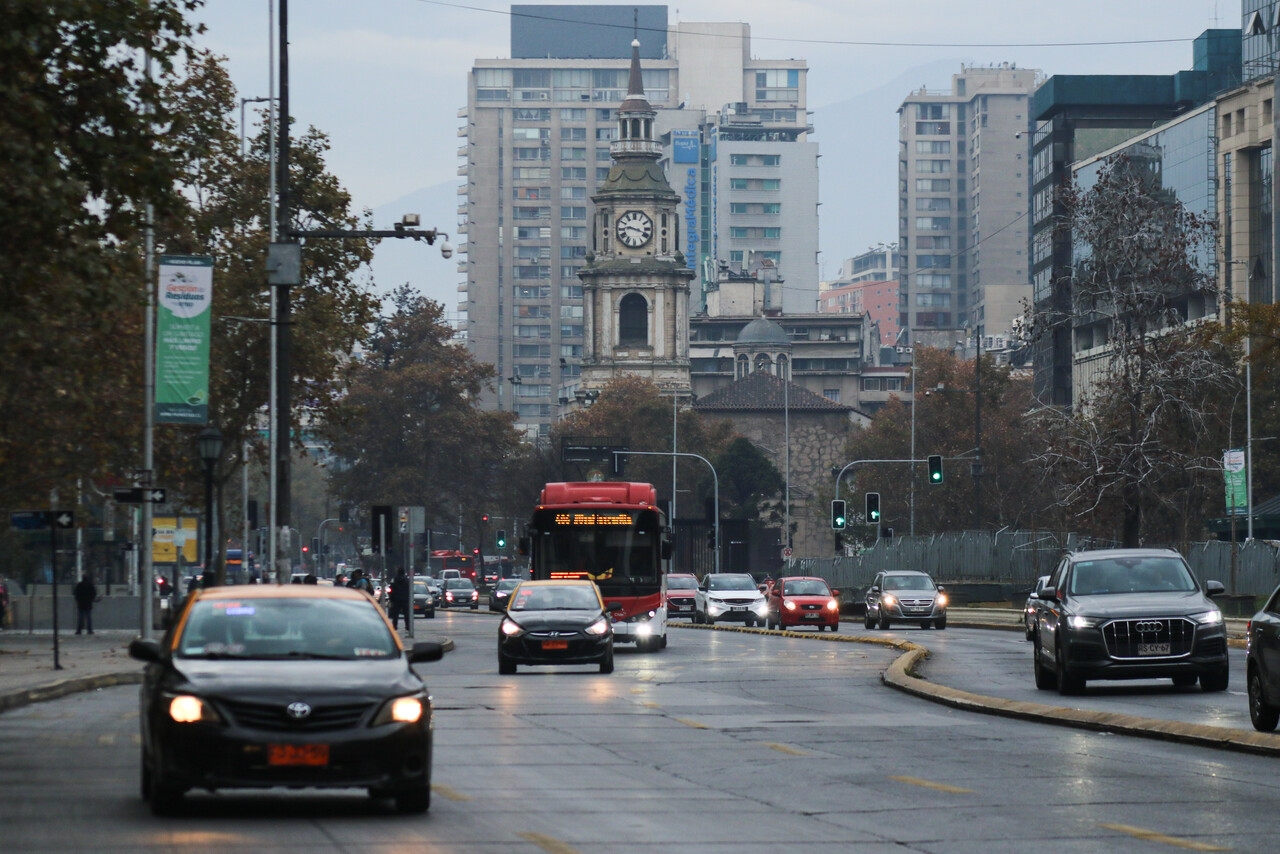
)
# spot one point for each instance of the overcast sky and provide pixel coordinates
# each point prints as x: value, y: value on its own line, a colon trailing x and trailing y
x: 385, y: 78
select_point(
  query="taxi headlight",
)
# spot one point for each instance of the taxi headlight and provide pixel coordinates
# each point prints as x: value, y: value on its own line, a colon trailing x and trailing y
x: 401, y: 710
x: 511, y: 628
x: 1208, y: 618
x: 789, y: 605
x: 188, y: 709
x: 599, y: 627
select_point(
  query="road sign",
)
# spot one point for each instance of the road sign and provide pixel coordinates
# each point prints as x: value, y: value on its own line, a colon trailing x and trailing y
x: 64, y: 519
x: 29, y: 520
x: 787, y: 552
x: 138, y: 495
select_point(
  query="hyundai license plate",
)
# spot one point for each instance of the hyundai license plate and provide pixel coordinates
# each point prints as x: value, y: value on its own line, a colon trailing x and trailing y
x: 297, y: 754
x: 1153, y: 649
x: 555, y: 644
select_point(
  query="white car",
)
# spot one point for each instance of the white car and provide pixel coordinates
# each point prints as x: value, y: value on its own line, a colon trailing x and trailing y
x: 729, y: 597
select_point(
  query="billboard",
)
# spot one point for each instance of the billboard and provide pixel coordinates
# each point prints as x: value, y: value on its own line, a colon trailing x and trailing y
x: 182, y: 339
x: 166, y: 537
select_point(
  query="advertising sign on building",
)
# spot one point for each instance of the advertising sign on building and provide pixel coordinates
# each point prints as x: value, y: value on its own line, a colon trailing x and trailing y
x: 684, y: 146
x: 167, y: 538
x: 182, y: 339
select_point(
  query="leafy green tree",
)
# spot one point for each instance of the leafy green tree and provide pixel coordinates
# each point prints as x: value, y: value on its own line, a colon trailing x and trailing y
x: 86, y: 143
x: 748, y: 481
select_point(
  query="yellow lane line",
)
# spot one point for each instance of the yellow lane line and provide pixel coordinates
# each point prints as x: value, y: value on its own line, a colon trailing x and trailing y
x: 547, y: 843
x: 786, y: 748
x: 106, y: 739
x: 449, y: 792
x: 136, y: 739
x: 692, y: 723
x: 1153, y: 836
x: 929, y: 784
x: 650, y: 705
x: 637, y: 690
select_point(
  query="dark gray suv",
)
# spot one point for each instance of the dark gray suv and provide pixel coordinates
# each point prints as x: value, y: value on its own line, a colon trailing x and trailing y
x: 1128, y: 614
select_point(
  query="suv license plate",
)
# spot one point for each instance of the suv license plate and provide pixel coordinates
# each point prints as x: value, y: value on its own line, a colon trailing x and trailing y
x: 1153, y: 649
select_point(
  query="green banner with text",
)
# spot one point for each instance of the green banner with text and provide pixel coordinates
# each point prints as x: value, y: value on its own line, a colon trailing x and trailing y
x: 1237, y: 489
x: 182, y: 339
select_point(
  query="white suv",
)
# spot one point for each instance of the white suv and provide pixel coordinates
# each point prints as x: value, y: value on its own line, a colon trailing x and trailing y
x: 729, y: 596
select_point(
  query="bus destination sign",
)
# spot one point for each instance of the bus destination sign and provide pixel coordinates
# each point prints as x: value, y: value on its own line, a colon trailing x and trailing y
x: 595, y: 519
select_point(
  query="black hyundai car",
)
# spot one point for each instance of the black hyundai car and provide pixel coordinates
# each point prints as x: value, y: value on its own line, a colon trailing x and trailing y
x: 555, y: 622
x: 1128, y: 614
x: 284, y: 686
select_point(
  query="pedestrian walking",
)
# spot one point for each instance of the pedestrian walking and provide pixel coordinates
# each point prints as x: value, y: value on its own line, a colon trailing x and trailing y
x: 85, y: 595
x: 360, y: 582
x: 399, y: 599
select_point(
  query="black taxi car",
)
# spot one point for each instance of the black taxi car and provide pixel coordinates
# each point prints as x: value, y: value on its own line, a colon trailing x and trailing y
x: 556, y: 622
x: 1128, y: 614
x: 284, y: 686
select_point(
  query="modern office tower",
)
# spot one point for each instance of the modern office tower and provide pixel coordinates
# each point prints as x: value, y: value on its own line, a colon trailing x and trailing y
x: 1075, y: 117
x: 538, y: 129
x: 962, y: 201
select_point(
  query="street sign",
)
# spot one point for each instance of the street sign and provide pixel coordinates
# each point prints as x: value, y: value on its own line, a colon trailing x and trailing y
x: 787, y: 552
x: 29, y: 520
x: 138, y: 495
x: 64, y: 519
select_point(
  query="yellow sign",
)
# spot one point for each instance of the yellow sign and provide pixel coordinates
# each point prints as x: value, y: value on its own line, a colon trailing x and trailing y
x: 622, y: 519
x: 164, y: 548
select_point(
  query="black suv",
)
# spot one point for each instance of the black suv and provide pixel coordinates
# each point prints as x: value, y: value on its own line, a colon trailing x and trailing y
x: 1128, y: 614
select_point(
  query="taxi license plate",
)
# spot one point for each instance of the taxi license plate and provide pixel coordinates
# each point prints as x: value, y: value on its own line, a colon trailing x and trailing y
x: 1153, y: 649
x: 297, y: 754
x: 555, y: 644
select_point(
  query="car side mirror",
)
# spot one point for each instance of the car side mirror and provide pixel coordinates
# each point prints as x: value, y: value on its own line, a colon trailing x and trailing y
x: 942, y: 588
x: 1048, y: 594
x: 1214, y: 588
x: 613, y: 606
x: 873, y: 589
x: 145, y: 649
x: 835, y: 594
x: 426, y: 651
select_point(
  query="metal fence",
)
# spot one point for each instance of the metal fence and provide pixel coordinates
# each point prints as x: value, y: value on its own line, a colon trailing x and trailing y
x: 1019, y: 557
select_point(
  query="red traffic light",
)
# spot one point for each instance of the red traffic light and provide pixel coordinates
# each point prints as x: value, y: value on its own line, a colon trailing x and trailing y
x: 484, y: 518
x: 306, y: 548
x: 475, y: 551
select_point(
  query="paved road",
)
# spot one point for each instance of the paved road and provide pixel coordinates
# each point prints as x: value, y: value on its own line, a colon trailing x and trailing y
x: 725, y: 742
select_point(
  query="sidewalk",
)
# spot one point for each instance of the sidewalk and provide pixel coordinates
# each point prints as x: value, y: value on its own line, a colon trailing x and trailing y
x: 27, y: 673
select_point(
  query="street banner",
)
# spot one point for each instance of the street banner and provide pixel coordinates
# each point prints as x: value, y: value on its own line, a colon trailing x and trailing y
x: 1234, y: 475
x: 182, y: 339
x: 167, y: 538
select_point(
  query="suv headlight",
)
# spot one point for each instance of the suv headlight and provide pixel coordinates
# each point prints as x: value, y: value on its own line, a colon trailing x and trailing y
x: 1076, y: 621
x: 888, y: 600
x: 1208, y: 618
x: 760, y: 606
x: 942, y: 600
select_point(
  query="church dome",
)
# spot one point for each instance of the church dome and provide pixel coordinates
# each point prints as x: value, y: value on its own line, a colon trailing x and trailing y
x: 762, y: 330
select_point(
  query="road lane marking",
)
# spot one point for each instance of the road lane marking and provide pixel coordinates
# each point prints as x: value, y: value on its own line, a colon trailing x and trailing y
x: 637, y: 690
x: 786, y: 748
x: 650, y: 705
x: 692, y: 723
x: 136, y: 738
x: 547, y: 843
x: 1153, y: 836
x: 929, y: 784
x: 449, y: 792
x: 106, y: 739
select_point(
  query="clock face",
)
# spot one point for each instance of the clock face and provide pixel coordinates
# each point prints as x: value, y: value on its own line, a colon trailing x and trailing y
x: 634, y: 229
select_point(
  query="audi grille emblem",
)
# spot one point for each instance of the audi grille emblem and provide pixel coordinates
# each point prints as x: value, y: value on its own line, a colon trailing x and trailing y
x: 1148, y: 627
x: 298, y: 711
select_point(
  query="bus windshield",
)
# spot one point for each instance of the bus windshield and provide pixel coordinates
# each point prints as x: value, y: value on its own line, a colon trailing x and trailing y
x: 621, y: 555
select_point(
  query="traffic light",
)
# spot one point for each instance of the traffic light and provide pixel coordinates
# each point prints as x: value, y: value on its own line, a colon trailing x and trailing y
x: 935, y: 468
x: 501, y: 539
x: 315, y: 545
x: 873, y: 508
x: 711, y: 537
x: 485, y: 518
x: 839, y: 542
x: 838, y: 517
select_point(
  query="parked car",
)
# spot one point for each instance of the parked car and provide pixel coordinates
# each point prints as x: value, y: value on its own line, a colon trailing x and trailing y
x: 299, y: 686
x: 425, y: 597
x: 1128, y: 614
x: 729, y: 596
x: 1029, y: 609
x: 459, y: 593
x: 1262, y: 667
x: 500, y: 593
x: 681, y: 594
x: 802, y: 601
x: 556, y: 622
x: 905, y: 596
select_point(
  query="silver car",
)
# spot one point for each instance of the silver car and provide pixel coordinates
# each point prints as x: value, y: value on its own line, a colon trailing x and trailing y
x: 1029, y: 609
x: 905, y: 596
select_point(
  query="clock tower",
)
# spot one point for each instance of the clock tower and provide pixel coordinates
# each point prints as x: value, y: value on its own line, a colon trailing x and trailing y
x: 635, y: 286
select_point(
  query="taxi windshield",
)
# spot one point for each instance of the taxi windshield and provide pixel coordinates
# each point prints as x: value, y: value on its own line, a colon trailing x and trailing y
x: 288, y: 627
x: 560, y: 597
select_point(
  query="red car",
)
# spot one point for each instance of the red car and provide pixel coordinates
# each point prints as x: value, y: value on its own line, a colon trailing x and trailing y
x: 680, y: 594
x: 803, y: 601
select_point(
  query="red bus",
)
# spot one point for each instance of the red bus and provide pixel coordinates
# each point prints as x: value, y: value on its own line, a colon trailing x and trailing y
x: 615, y: 535
x: 443, y: 559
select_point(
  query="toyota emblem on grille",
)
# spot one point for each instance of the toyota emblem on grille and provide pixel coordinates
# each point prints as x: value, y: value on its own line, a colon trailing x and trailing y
x: 1148, y: 626
x: 298, y: 711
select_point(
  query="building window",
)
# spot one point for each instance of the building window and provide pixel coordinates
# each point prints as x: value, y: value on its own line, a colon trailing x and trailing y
x: 633, y: 320
x: 871, y: 384
x: 831, y: 394
x: 743, y: 366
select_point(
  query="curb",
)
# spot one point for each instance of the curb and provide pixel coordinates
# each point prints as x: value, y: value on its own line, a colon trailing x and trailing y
x: 901, y: 676
x: 55, y: 690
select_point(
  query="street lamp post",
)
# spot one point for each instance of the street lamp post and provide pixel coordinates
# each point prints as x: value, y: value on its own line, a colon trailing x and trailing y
x: 210, y: 444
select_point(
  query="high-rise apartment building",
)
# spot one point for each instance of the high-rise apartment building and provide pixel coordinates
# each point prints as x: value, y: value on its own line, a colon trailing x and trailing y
x: 963, y: 201
x: 537, y: 135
